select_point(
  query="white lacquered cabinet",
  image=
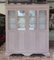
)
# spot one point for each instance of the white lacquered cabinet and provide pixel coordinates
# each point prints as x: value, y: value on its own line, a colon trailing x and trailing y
x: 27, y: 29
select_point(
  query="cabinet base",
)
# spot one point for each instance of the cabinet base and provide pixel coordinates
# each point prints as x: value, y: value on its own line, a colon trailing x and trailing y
x: 27, y: 54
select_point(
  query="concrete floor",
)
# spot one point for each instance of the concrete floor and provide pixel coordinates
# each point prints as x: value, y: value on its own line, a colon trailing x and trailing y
x: 37, y: 57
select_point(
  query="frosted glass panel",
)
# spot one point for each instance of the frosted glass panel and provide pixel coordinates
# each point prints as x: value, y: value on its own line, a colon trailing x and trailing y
x: 21, y: 24
x: 42, y: 19
x: 31, y: 13
x: 12, y: 19
x: 42, y: 16
x: 12, y: 26
x: 32, y: 23
x: 21, y: 13
x: 32, y: 19
x: 42, y: 26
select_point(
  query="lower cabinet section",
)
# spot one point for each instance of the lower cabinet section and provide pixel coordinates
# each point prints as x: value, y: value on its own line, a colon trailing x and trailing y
x: 27, y: 43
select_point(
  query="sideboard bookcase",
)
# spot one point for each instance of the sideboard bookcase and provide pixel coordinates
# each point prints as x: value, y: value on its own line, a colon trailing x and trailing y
x: 27, y: 29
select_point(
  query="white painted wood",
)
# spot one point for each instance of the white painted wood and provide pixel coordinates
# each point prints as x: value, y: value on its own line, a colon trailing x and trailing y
x: 27, y: 41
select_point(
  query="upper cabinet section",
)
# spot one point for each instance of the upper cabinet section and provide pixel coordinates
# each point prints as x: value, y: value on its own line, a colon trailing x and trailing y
x: 27, y: 1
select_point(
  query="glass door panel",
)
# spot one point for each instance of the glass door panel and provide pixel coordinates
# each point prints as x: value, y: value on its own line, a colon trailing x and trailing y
x: 21, y: 20
x: 12, y: 19
x: 32, y: 19
x: 32, y: 13
x: 32, y: 23
x: 42, y: 26
x: 21, y: 24
x: 42, y: 19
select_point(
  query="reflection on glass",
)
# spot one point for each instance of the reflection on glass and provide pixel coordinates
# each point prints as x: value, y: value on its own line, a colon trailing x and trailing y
x: 21, y: 13
x: 32, y: 23
x: 12, y: 19
x: 42, y: 16
x: 32, y: 13
x: 42, y: 26
x: 12, y: 26
x: 42, y: 19
x: 21, y: 24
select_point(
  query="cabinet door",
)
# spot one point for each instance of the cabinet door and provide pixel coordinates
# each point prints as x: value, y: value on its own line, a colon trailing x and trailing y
x: 42, y: 30
x: 12, y: 30
x: 21, y: 27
